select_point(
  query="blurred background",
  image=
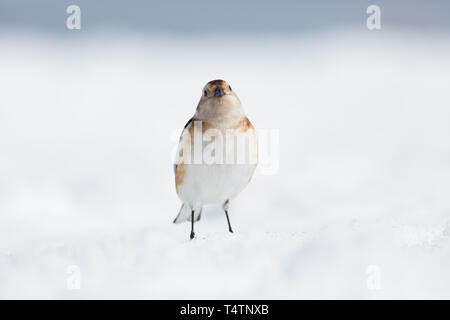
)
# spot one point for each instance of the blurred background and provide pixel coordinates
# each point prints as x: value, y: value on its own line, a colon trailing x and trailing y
x: 357, y: 208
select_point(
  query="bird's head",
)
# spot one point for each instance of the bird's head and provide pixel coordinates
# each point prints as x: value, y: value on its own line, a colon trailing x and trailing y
x: 218, y: 101
x: 216, y: 89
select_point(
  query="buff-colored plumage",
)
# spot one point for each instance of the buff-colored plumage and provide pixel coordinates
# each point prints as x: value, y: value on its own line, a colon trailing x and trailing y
x: 212, y: 166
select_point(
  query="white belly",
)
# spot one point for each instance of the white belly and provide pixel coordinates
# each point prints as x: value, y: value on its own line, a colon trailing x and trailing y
x: 214, y: 184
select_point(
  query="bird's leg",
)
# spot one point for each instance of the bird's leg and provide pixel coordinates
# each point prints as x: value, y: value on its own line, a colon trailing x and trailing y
x: 228, y: 220
x: 192, y: 225
x: 226, y: 206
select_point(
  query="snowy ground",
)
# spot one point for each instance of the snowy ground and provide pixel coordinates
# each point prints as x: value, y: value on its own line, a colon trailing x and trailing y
x: 87, y: 127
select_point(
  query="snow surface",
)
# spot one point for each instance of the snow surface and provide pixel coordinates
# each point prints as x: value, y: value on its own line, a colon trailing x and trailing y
x: 88, y: 126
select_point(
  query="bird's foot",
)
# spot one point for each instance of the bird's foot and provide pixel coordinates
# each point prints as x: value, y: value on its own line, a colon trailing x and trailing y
x: 192, y: 235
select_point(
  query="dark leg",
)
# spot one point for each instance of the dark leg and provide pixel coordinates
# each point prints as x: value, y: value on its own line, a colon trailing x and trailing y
x: 228, y: 220
x: 192, y: 225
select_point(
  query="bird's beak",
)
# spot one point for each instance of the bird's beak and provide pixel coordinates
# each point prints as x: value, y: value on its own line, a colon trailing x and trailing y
x: 219, y: 92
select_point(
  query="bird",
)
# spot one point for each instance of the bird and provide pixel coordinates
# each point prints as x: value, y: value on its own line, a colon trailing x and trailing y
x: 217, y: 154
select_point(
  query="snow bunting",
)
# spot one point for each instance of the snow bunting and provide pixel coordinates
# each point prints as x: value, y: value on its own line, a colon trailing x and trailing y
x: 217, y: 153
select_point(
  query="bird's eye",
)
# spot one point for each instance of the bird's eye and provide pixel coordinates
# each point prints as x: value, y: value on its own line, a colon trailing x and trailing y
x: 205, y: 93
x: 229, y: 87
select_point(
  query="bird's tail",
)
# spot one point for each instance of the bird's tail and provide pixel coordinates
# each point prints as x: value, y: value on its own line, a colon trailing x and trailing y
x: 186, y: 213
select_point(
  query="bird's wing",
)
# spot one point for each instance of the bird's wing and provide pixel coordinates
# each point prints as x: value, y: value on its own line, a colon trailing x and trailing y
x: 178, y: 155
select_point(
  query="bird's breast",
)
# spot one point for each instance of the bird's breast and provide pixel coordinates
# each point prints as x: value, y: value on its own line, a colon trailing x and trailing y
x: 216, y: 162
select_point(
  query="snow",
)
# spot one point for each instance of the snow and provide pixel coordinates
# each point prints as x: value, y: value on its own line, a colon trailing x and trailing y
x: 88, y: 126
